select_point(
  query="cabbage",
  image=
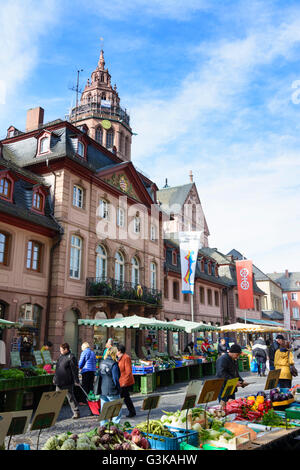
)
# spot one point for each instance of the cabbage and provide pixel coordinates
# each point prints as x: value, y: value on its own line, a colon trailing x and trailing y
x: 51, y: 444
x: 69, y: 444
x: 62, y: 438
x: 82, y: 445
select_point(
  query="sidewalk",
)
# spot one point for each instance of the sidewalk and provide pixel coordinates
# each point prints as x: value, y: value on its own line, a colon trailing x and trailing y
x: 172, y: 398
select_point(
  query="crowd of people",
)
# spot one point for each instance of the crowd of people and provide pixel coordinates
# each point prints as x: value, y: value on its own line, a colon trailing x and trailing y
x: 279, y: 354
x: 113, y: 380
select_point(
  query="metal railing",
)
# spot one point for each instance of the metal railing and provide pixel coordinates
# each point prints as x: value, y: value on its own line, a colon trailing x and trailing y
x: 109, y: 287
x: 99, y: 111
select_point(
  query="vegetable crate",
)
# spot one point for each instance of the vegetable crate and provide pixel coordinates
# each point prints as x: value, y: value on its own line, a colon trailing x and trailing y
x: 192, y: 437
x: 142, y: 370
x: 166, y: 443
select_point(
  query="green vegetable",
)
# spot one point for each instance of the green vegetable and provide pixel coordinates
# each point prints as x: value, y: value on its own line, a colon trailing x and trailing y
x: 69, y: 444
x: 62, y: 438
x: 51, y: 444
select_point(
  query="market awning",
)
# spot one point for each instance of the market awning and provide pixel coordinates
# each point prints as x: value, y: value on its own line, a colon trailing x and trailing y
x: 264, y: 322
x: 192, y: 327
x: 9, y: 324
x: 133, y: 321
x: 246, y: 328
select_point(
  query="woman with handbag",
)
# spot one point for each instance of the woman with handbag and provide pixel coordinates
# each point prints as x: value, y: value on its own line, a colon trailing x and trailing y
x: 284, y: 360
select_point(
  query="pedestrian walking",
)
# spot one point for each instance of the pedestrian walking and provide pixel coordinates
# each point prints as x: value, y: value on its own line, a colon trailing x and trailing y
x: 284, y: 360
x: 222, y: 348
x: 66, y: 376
x: 227, y: 368
x: 109, y: 374
x: 260, y: 354
x: 126, y: 379
x: 273, y: 348
x: 87, y: 367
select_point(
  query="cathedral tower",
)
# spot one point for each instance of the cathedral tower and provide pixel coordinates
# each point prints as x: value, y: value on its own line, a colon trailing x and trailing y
x: 99, y: 113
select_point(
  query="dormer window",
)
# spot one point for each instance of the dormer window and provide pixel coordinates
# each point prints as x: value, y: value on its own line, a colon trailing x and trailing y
x: 44, y: 144
x: 6, y: 185
x: 202, y: 265
x: 38, y: 200
x: 174, y: 258
x: 80, y: 149
x: 5, y: 188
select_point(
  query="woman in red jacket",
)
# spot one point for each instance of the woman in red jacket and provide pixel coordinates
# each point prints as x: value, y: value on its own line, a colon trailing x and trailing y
x: 126, y: 379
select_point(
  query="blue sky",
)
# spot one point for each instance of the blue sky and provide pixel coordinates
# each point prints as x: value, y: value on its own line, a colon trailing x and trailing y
x: 209, y: 87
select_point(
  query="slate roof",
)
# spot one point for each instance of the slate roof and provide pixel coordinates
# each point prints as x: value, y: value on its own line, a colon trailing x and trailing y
x: 173, y: 195
x: 22, y: 200
x: 287, y: 284
x: 272, y: 315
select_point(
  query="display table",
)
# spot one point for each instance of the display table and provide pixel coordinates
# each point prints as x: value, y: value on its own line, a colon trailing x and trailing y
x: 12, y: 390
x: 281, y: 439
x: 148, y: 383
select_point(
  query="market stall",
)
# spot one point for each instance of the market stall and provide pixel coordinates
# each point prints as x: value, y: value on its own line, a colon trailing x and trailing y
x: 20, y: 386
x: 159, y: 369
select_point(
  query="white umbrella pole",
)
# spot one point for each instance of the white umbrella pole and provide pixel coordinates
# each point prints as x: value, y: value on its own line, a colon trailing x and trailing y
x: 192, y: 314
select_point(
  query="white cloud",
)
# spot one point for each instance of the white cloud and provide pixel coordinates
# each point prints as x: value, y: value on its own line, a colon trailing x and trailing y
x: 22, y: 24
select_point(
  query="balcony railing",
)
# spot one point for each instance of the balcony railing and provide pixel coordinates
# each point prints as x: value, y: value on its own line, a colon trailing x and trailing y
x: 109, y: 287
x: 99, y: 111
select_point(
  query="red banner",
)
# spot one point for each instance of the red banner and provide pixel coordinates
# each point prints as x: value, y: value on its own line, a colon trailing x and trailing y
x: 245, y: 283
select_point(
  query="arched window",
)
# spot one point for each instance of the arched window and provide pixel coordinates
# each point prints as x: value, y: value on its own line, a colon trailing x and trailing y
x: 75, y: 257
x: 153, y: 276
x: 135, y: 272
x: 119, y: 267
x: 101, y: 263
x: 44, y: 144
x: 99, y: 135
x: 110, y: 139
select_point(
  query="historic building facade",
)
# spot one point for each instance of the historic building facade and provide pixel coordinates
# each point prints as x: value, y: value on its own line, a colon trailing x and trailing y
x: 107, y: 255
x: 289, y: 282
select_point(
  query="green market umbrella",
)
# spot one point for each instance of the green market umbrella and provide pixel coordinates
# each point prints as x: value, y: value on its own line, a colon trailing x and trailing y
x: 9, y: 324
x: 193, y: 327
x: 133, y: 321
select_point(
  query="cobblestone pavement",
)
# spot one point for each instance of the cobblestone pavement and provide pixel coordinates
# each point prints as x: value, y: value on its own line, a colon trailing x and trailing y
x: 172, y: 398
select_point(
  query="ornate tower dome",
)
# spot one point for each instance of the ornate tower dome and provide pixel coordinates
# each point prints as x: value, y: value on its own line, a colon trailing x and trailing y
x: 100, y: 113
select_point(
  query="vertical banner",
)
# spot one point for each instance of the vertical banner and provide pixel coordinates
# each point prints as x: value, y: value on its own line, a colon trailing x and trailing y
x: 190, y: 242
x: 245, y: 283
x: 286, y: 312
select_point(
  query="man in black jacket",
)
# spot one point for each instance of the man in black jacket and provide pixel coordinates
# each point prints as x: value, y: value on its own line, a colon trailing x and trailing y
x: 66, y: 376
x: 227, y: 368
x: 273, y: 348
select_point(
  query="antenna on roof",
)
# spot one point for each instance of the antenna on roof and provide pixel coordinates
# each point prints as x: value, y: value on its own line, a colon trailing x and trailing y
x: 77, y: 91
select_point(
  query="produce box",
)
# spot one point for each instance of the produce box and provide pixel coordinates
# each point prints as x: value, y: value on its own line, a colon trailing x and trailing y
x: 166, y: 443
x: 192, y: 437
x: 142, y: 370
x: 293, y: 412
x: 283, y: 403
x: 234, y: 444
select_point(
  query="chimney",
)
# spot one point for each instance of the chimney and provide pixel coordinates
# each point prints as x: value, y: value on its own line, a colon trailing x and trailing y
x: 287, y: 273
x: 35, y: 119
x: 191, y: 176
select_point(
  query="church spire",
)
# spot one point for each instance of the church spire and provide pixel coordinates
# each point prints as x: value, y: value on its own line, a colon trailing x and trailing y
x: 101, y: 62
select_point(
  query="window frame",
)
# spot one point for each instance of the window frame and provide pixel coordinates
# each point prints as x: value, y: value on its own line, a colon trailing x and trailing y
x: 209, y: 297
x: 102, y: 259
x: 39, y: 246
x: 75, y: 196
x: 119, y: 268
x: 153, y: 275
x: 73, y: 247
x: 202, y: 295
x: 104, y: 214
x: 135, y: 270
x: 217, y: 298
x: 120, y: 210
x: 6, y: 250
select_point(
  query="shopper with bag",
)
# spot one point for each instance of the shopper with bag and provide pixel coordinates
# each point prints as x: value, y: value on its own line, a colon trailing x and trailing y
x: 284, y: 360
x: 259, y: 353
x: 87, y: 366
x: 66, y: 376
x: 109, y: 374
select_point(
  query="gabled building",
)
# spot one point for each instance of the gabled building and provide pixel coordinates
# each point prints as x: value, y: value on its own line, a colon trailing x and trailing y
x: 289, y: 282
x: 109, y: 260
x: 271, y: 302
